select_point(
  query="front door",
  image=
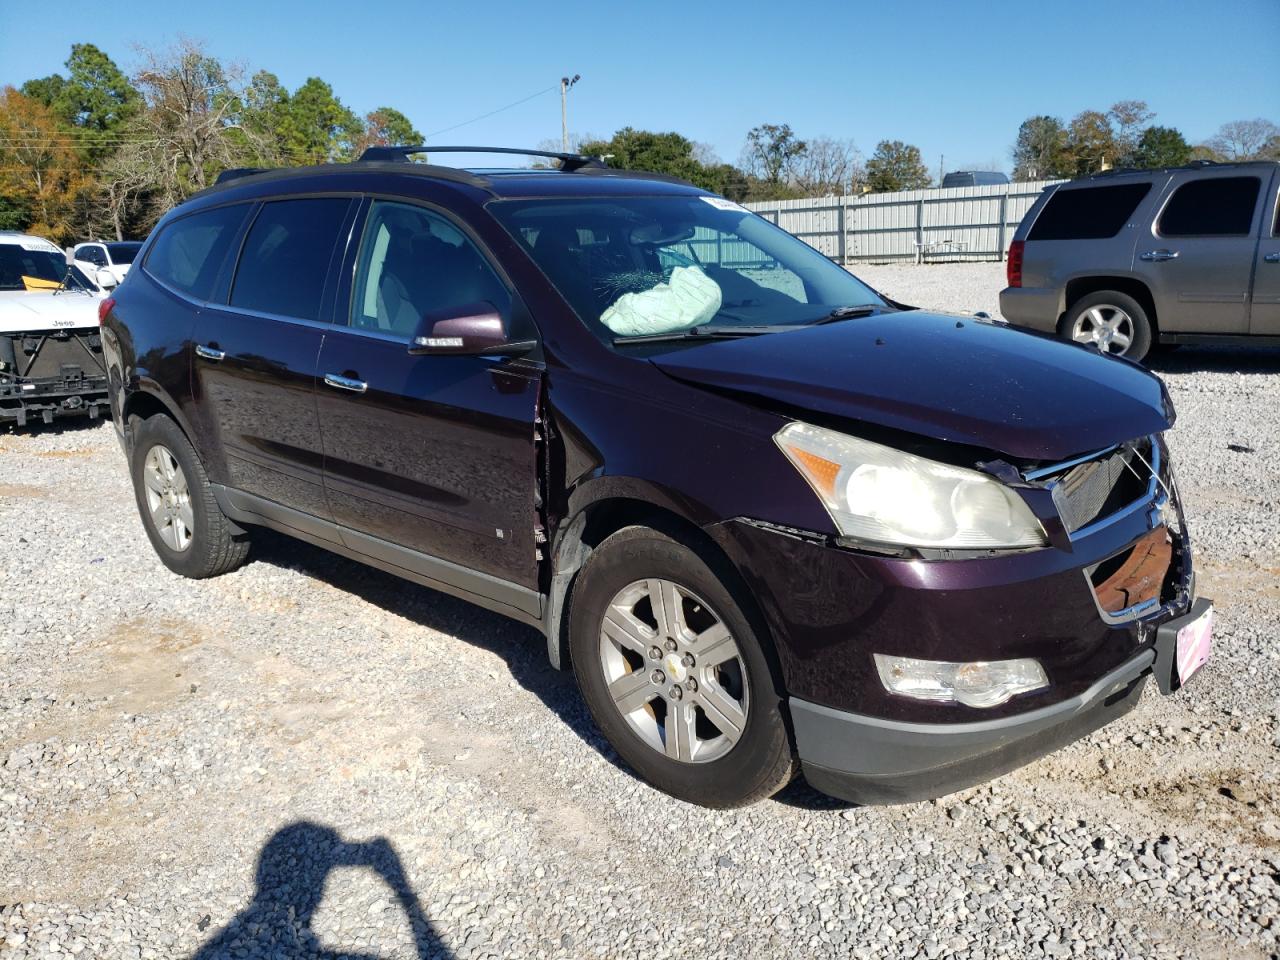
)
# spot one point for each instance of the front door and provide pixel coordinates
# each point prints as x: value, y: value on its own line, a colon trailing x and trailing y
x: 1197, y: 258
x: 1264, y: 318
x: 254, y: 366
x: 430, y: 461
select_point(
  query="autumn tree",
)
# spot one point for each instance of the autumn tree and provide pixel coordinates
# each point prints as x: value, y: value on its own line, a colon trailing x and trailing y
x: 386, y: 127
x: 1040, y: 151
x: 1091, y: 143
x: 896, y: 166
x: 40, y: 174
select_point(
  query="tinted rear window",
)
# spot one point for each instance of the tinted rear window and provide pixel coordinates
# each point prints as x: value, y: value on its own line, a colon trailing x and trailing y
x: 1088, y: 213
x: 189, y: 252
x: 286, y: 257
x: 123, y: 252
x: 1216, y: 207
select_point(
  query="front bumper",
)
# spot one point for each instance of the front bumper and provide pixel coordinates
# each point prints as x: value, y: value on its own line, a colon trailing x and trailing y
x: 26, y: 400
x: 870, y: 760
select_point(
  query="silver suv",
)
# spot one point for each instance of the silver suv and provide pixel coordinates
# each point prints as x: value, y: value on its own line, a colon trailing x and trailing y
x: 1126, y: 260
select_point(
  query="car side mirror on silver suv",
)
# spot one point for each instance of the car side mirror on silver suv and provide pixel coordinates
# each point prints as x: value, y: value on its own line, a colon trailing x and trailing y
x: 471, y: 329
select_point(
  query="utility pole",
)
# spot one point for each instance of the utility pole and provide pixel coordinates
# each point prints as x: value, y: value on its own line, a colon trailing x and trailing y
x: 565, y: 84
x: 942, y: 161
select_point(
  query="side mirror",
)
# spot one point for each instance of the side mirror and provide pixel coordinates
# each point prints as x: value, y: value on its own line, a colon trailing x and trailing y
x: 106, y: 279
x: 474, y: 329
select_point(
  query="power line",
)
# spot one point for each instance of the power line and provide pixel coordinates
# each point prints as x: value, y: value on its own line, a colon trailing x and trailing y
x: 485, y: 116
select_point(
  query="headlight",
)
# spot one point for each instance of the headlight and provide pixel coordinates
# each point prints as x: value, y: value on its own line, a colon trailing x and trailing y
x: 883, y: 495
x: 979, y: 684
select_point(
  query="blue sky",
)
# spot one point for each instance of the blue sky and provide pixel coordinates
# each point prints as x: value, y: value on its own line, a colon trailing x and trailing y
x: 953, y: 78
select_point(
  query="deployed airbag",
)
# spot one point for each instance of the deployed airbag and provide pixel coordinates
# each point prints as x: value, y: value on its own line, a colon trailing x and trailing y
x: 688, y: 299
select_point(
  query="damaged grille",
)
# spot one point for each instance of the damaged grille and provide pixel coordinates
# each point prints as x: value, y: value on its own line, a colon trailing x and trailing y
x: 1097, y: 488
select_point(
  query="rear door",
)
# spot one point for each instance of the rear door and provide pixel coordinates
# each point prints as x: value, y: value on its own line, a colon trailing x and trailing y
x: 254, y: 362
x: 1198, y: 256
x: 430, y: 461
x: 1264, y: 317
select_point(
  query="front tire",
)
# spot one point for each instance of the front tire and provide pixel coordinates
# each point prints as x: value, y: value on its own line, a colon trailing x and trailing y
x: 674, y: 673
x: 1112, y: 321
x: 184, y: 523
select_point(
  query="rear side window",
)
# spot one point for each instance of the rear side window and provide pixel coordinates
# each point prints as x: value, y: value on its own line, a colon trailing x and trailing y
x: 1216, y: 207
x: 189, y: 252
x: 286, y: 257
x: 1088, y: 213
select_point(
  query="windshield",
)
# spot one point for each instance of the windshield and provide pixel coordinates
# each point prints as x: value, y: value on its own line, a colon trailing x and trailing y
x: 643, y: 266
x: 123, y: 252
x: 17, y: 262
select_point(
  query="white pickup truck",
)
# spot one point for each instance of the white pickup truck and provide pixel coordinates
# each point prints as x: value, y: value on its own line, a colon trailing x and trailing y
x: 50, y: 341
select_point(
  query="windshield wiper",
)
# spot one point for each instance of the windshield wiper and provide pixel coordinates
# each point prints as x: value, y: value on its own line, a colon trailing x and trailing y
x: 706, y: 331
x: 848, y: 313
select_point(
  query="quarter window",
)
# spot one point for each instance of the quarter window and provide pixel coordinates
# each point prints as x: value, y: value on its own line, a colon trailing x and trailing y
x: 1214, y: 207
x: 188, y: 253
x: 413, y: 262
x: 286, y: 257
x: 1088, y: 213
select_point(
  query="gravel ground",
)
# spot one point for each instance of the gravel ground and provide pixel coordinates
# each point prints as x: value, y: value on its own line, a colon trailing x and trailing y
x: 308, y: 755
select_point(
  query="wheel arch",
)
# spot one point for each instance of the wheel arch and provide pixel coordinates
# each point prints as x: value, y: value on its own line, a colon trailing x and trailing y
x: 594, y: 518
x: 144, y: 402
x: 1079, y: 287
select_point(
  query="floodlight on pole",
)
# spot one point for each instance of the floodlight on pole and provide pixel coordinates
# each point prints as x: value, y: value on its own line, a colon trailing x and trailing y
x: 565, y: 84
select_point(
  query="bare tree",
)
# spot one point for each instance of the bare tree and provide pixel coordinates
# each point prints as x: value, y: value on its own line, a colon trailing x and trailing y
x: 828, y: 167
x: 1243, y: 139
x: 1128, y: 119
x: 192, y: 120
x: 124, y: 179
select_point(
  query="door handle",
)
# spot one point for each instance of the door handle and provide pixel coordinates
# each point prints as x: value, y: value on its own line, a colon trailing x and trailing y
x: 345, y: 383
x: 1272, y: 258
x: 209, y: 353
x: 1159, y: 256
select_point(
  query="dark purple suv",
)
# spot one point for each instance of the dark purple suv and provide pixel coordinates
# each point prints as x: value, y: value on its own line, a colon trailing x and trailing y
x: 771, y: 519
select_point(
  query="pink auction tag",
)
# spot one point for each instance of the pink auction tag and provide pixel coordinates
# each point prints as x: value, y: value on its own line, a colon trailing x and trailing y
x: 1194, y: 645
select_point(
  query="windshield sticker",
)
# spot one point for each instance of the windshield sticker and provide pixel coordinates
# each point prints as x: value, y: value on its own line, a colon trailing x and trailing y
x: 720, y: 203
x: 42, y: 245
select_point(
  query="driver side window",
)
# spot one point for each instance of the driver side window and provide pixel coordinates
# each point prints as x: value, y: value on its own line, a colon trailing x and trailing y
x: 95, y: 255
x: 412, y: 262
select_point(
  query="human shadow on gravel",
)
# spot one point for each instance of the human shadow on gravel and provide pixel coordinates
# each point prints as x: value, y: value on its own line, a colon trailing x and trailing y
x: 1215, y: 359
x: 523, y: 648
x: 292, y: 870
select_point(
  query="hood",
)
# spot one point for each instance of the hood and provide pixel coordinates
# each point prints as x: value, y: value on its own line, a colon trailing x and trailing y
x: 34, y: 311
x: 952, y: 378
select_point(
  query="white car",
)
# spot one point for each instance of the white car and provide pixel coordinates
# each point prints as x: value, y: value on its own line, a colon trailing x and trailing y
x: 105, y: 261
x: 50, y: 341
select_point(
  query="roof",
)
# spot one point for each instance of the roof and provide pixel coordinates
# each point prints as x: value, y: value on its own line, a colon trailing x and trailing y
x: 576, y: 175
x: 1194, y: 165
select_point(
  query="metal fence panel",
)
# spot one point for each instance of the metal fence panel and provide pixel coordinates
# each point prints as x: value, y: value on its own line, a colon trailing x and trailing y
x: 972, y: 223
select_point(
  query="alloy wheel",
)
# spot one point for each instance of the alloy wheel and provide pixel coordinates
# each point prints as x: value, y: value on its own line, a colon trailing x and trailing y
x: 1106, y: 325
x: 168, y: 497
x: 674, y: 671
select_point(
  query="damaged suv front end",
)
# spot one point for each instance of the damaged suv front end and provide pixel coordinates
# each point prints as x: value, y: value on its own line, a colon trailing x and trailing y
x: 915, y: 672
x: 50, y: 341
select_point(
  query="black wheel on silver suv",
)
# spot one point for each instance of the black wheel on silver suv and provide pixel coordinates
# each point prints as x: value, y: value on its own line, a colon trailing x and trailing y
x: 674, y: 672
x: 182, y: 519
x: 1113, y: 321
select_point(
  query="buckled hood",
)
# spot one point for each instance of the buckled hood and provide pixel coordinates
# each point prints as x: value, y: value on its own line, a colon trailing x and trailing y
x: 953, y: 378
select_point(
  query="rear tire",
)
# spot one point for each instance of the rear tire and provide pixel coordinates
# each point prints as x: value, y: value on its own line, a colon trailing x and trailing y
x: 730, y: 745
x: 184, y: 523
x: 1114, y: 322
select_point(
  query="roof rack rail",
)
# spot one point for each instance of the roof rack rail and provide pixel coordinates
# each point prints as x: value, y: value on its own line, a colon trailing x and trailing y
x: 569, y: 162
x: 235, y: 173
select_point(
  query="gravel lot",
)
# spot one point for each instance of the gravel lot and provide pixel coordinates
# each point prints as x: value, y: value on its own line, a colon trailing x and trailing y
x: 309, y: 755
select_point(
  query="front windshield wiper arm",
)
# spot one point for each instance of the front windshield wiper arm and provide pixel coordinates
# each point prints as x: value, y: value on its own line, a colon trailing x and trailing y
x: 699, y: 333
x: 848, y: 313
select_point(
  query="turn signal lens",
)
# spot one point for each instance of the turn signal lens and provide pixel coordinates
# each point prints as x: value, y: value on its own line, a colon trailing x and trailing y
x: 982, y: 683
